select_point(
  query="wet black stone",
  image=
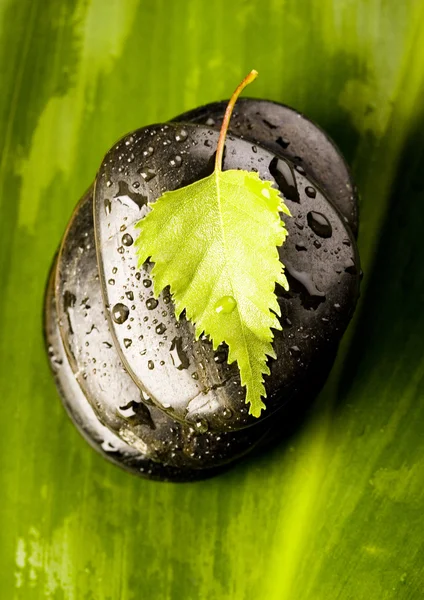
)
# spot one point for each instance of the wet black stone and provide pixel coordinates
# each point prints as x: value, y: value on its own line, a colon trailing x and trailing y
x: 317, y: 274
x: 135, y: 382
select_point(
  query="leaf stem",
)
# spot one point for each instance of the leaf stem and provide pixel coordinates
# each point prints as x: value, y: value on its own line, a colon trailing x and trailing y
x: 228, y: 112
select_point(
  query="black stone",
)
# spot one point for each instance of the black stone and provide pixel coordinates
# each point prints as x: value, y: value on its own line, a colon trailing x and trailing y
x: 191, y: 385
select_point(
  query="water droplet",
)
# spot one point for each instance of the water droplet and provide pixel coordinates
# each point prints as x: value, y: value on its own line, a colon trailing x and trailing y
x: 121, y: 249
x: 148, y: 152
x: 225, y: 305
x: 148, y: 174
x: 129, y: 295
x: 295, y: 351
x: 305, y: 280
x: 350, y: 267
x: 138, y: 275
x: 160, y: 329
x: 127, y: 239
x: 195, y: 375
x: 299, y: 168
x: 136, y: 185
x: 181, y: 135
x: 178, y: 356
x: 127, y: 342
x: 108, y: 206
x: 176, y: 162
x: 147, y: 283
x: 319, y: 224
x: 151, y: 365
x: 111, y: 282
x: 284, y: 177
x: 220, y: 356
x: 227, y: 413
x: 300, y: 247
x: 107, y: 344
x: 310, y: 191
x: 283, y: 142
x: 151, y: 303
x: 108, y: 183
x: 115, y: 270
x: 120, y: 313
x: 317, y: 244
x: 129, y: 198
x: 210, y: 122
x: 201, y: 425
x: 255, y: 149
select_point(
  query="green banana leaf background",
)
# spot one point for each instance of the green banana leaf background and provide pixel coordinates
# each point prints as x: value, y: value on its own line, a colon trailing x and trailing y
x: 336, y: 511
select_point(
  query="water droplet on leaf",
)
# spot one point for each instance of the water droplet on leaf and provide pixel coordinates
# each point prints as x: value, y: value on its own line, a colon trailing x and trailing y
x: 225, y: 305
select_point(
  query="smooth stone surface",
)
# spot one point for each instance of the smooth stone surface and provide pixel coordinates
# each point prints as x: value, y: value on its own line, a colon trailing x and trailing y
x: 289, y: 134
x: 114, y: 397
x: 183, y: 377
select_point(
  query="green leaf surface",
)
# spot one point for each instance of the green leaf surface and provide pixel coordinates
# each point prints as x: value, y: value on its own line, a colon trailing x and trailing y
x: 200, y: 238
x: 334, y: 512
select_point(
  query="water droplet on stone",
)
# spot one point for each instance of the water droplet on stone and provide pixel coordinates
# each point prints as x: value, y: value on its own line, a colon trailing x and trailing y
x: 121, y: 249
x: 148, y: 174
x: 151, y: 303
x: 295, y: 351
x: 350, y: 267
x: 284, y: 177
x: 148, y: 152
x: 115, y: 270
x: 108, y: 206
x: 127, y: 240
x: 108, y: 183
x: 225, y: 305
x: 283, y: 142
x: 300, y: 169
x: 300, y: 247
x: 220, y: 356
x: 120, y: 313
x: 146, y: 282
x: 151, y: 365
x: 317, y: 244
x: 195, y: 375
x: 160, y: 329
x: 227, y: 413
x: 181, y: 135
x: 176, y: 162
x: 178, y: 355
x: 310, y: 191
x: 111, y: 282
x: 201, y: 425
x: 319, y: 224
x: 127, y: 342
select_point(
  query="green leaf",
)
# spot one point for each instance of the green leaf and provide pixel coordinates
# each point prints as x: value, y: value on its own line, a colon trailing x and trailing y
x: 214, y: 243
